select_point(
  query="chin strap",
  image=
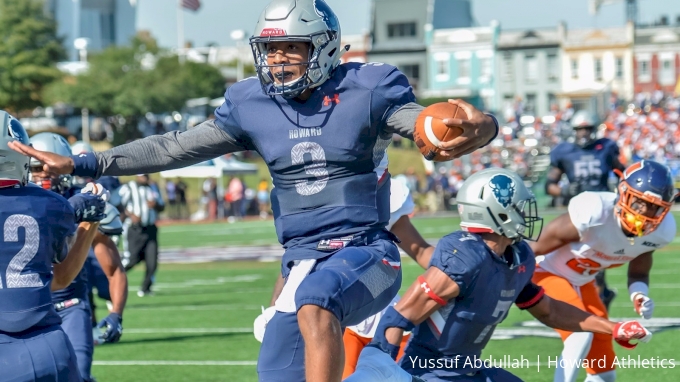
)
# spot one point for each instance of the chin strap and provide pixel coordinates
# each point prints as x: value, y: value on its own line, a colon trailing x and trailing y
x: 341, y: 53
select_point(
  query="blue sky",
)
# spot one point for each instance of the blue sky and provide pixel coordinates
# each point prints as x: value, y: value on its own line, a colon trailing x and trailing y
x: 217, y: 18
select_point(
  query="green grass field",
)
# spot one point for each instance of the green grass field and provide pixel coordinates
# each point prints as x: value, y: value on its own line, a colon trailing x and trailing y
x: 198, y: 326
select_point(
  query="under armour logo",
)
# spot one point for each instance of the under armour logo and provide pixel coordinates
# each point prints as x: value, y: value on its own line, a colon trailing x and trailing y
x: 82, y: 155
x: 521, y: 269
x: 327, y: 100
x: 92, y: 211
x: 425, y: 287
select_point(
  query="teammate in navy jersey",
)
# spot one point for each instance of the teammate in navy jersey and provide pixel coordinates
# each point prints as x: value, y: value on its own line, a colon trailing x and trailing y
x: 38, y: 229
x: 72, y: 302
x: 587, y: 162
x: 108, y: 278
x: 474, y: 277
x: 323, y: 130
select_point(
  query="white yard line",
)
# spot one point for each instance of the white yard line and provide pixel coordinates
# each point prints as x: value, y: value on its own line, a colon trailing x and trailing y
x: 174, y: 363
x: 185, y: 330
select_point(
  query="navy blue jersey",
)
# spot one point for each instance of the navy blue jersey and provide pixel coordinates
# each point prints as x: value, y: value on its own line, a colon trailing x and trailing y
x: 488, y: 287
x: 588, y: 166
x: 35, y: 224
x: 327, y: 156
x: 78, y: 287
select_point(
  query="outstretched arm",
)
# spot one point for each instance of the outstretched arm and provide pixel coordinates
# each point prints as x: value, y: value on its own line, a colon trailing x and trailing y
x: 148, y: 155
x: 560, y: 315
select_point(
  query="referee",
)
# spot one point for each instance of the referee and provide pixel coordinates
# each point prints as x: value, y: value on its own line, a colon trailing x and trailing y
x: 140, y: 205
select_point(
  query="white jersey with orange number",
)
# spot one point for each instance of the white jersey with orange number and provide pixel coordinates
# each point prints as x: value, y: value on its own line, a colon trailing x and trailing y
x: 603, y: 244
x: 401, y: 204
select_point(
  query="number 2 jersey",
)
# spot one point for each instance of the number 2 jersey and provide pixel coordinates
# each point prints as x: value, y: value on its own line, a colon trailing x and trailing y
x: 603, y: 243
x: 35, y: 224
x: 327, y: 156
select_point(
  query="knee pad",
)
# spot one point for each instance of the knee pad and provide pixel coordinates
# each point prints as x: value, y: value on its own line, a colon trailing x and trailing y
x: 607, y: 376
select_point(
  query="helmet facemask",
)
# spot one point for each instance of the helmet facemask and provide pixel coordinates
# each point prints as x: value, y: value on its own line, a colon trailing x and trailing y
x: 56, y: 183
x: 313, y: 75
x: 627, y: 209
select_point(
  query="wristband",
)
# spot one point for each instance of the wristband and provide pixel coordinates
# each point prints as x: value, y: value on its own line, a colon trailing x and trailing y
x: 426, y: 288
x: 495, y: 121
x: 636, y: 288
x: 84, y: 165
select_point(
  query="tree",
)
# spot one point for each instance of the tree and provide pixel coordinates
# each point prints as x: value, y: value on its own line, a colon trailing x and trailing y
x: 118, y: 82
x: 29, y: 50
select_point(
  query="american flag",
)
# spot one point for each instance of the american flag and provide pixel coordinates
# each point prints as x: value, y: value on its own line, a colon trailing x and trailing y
x: 191, y: 4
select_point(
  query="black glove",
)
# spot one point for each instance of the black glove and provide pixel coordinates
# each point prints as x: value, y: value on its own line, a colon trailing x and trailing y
x: 88, y: 207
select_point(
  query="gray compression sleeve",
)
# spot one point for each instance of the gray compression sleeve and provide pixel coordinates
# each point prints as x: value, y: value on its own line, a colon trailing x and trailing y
x: 168, y: 151
x: 403, y: 121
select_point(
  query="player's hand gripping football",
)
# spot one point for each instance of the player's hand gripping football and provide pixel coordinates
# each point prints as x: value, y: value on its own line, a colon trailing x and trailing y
x: 643, y: 305
x: 53, y: 164
x: 625, y: 332
x: 112, y: 327
x: 478, y: 129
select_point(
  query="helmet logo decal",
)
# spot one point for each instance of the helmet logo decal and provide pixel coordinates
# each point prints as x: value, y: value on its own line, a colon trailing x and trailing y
x: 503, y: 189
x: 322, y: 10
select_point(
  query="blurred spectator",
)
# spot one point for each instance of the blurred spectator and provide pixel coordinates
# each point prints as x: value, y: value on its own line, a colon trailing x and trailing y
x: 263, y: 197
x: 519, y: 110
x: 181, y: 192
x: 236, y: 193
x: 210, y: 193
x: 171, y: 194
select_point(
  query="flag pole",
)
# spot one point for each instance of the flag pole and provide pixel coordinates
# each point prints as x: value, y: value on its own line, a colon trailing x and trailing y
x: 180, y: 32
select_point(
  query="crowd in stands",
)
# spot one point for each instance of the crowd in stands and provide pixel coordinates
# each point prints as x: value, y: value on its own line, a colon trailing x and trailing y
x: 645, y: 128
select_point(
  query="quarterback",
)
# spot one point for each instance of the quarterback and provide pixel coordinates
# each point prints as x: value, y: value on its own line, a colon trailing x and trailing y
x: 356, y: 337
x: 323, y: 129
x: 604, y: 230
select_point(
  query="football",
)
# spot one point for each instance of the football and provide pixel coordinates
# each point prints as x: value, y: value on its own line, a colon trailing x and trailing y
x: 430, y: 131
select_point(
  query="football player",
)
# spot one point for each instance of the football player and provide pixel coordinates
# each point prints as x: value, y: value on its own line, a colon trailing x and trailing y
x: 604, y: 230
x: 323, y: 129
x: 587, y: 162
x: 474, y: 277
x: 38, y: 230
x: 356, y: 337
x: 109, y: 279
x: 72, y: 302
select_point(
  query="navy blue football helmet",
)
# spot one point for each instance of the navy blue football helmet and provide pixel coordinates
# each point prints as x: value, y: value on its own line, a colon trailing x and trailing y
x: 646, y: 193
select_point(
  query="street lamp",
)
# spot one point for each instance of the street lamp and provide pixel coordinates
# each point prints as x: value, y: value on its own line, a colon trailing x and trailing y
x: 81, y: 44
x: 239, y: 36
